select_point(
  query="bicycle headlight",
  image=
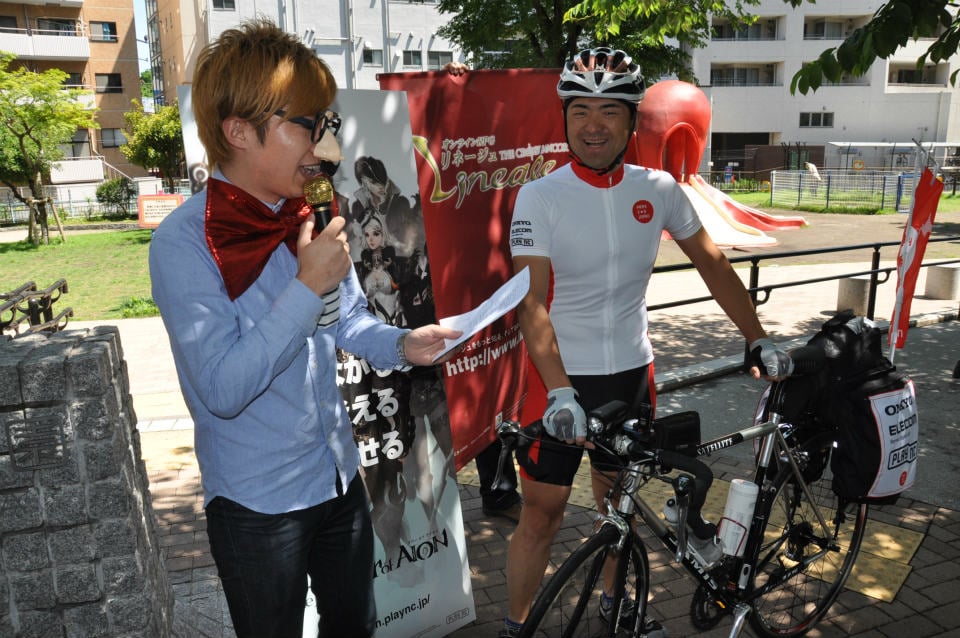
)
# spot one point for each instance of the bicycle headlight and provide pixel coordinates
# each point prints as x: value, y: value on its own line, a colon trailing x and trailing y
x: 595, y: 425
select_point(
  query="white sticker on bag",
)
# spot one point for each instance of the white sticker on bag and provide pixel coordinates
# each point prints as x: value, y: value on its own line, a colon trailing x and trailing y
x: 895, y: 413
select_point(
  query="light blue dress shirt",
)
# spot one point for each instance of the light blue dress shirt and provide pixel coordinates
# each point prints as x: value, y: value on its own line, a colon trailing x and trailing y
x: 271, y: 430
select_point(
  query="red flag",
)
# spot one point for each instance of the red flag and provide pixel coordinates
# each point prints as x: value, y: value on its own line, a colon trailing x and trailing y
x: 914, y: 244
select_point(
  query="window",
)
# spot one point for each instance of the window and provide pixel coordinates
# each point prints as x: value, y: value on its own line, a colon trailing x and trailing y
x: 412, y: 58
x: 73, y: 80
x: 437, y: 59
x: 736, y: 76
x: 226, y: 5
x: 78, y: 146
x: 109, y: 83
x: 8, y: 23
x: 373, y: 56
x: 824, y: 30
x: 112, y: 137
x: 103, y: 31
x: 816, y: 120
x: 503, y: 48
x: 53, y: 25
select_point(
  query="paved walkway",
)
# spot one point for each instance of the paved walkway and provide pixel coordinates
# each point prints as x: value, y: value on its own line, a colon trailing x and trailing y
x: 927, y: 600
x: 693, y: 343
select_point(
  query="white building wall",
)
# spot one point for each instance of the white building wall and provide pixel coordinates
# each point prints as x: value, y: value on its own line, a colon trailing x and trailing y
x: 876, y: 110
x: 339, y: 30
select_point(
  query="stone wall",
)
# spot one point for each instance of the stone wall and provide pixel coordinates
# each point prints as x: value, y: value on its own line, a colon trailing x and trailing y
x: 78, y: 538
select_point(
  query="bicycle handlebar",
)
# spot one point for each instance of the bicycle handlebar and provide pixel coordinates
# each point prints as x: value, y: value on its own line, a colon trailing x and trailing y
x: 807, y: 360
x: 608, y: 428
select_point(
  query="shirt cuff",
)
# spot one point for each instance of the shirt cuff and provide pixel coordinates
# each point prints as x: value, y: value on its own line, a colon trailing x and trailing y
x: 302, y: 305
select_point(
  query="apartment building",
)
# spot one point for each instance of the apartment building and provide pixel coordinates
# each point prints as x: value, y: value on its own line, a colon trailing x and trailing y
x: 357, y: 39
x: 94, y: 41
x: 747, y: 74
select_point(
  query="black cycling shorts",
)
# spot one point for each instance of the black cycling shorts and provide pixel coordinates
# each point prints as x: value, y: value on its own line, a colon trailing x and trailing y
x: 548, y: 460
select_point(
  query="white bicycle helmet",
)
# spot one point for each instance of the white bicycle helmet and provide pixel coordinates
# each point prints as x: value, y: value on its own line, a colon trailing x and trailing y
x: 601, y: 72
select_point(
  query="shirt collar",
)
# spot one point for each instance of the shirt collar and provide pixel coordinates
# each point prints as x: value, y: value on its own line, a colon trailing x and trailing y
x: 607, y: 180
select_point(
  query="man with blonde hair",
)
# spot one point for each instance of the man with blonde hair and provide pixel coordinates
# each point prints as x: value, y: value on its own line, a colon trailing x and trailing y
x: 256, y: 298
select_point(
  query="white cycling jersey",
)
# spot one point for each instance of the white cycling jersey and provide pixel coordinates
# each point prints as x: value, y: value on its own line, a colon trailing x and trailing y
x: 602, y: 234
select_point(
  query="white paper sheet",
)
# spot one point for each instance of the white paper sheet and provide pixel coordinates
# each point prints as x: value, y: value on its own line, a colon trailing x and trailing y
x: 498, y: 304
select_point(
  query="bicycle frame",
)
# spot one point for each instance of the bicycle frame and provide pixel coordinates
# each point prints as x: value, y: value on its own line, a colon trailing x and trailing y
x: 738, y: 586
x: 736, y: 599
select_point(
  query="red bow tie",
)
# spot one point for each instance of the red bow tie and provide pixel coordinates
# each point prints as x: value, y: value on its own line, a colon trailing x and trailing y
x: 242, y: 232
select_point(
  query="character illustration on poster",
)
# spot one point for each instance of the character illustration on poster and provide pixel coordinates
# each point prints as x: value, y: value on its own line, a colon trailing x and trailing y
x: 400, y: 418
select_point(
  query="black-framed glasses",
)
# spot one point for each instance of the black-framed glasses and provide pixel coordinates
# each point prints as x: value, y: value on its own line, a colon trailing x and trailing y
x: 329, y: 121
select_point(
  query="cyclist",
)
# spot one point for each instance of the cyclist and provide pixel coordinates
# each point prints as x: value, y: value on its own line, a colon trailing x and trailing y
x: 596, y: 224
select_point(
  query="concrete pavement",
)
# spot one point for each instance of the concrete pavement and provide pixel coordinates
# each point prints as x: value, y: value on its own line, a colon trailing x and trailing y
x: 692, y: 343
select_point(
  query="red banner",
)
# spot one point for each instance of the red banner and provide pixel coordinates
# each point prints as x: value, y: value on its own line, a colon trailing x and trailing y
x: 479, y: 137
x: 915, y: 235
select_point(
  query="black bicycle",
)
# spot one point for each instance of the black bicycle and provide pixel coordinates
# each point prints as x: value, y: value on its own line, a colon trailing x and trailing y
x: 798, y: 549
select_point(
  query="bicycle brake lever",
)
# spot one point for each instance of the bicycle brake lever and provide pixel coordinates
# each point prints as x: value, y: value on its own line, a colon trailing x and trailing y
x: 509, y: 434
x: 508, y: 431
x: 682, y: 487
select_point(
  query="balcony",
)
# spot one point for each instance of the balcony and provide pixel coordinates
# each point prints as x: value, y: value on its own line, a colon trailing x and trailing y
x: 78, y: 169
x: 765, y: 29
x: 908, y: 76
x: 45, y: 45
x: 745, y: 75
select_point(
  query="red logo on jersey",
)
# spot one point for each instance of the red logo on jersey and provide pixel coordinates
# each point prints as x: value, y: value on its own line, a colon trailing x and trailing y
x: 643, y: 211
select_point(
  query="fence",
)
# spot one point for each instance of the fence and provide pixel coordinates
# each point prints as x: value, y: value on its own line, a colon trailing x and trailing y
x: 842, y: 189
x: 760, y: 293
x: 14, y: 212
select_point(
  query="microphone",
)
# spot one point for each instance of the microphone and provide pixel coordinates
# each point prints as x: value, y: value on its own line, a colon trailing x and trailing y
x: 318, y: 191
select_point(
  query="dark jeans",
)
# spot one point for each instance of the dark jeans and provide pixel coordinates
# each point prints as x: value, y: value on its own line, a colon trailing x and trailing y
x: 501, y: 496
x: 263, y: 561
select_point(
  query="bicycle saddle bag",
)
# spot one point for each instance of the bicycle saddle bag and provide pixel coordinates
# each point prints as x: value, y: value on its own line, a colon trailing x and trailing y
x: 678, y: 432
x: 873, y: 408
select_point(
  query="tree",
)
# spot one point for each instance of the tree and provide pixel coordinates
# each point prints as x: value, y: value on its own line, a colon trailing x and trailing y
x: 894, y: 24
x: 146, y: 83
x: 544, y: 34
x: 155, y: 141
x: 115, y: 195
x: 38, y: 116
x: 524, y: 33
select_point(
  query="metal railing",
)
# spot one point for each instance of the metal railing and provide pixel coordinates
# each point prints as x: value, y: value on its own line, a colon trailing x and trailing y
x: 26, y: 310
x: 760, y: 293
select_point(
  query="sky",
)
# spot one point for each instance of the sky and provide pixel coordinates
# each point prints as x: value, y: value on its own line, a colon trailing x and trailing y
x: 140, y: 22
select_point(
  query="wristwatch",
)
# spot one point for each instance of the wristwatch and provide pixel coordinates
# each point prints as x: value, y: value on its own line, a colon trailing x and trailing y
x: 401, y: 354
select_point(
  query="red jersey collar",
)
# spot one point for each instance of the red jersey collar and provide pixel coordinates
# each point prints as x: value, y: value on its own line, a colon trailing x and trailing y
x: 607, y: 180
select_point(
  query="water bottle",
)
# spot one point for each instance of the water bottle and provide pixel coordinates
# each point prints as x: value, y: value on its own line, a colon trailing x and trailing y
x: 670, y: 513
x: 737, y: 515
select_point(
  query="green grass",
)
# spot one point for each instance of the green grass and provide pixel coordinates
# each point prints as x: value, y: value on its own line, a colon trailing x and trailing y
x: 948, y: 204
x: 107, y: 273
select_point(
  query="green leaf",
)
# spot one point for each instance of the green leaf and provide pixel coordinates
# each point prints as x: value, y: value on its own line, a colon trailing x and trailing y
x: 830, y: 67
x: 867, y: 55
x: 847, y: 52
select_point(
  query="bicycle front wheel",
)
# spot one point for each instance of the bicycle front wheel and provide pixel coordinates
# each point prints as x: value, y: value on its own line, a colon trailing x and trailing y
x: 803, y: 565
x: 569, y: 605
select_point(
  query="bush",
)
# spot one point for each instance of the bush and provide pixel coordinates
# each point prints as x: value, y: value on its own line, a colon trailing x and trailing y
x: 133, y: 307
x: 114, y: 196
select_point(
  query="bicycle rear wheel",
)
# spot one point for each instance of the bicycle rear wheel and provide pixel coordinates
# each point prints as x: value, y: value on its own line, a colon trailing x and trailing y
x: 569, y: 605
x: 804, y: 565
